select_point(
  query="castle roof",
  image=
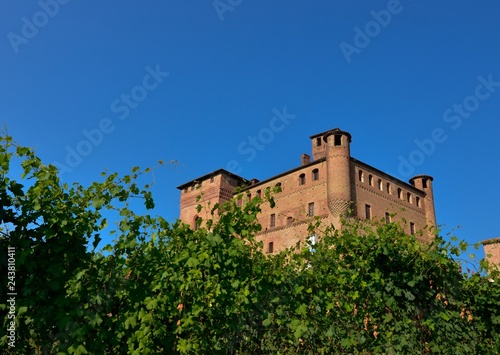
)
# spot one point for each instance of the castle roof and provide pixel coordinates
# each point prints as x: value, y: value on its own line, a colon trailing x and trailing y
x: 212, y: 174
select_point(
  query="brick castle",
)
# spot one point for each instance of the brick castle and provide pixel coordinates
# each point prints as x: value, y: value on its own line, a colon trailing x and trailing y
x: 331, y: 185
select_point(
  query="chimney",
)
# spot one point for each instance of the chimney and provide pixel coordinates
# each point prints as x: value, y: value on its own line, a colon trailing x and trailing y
x: 305, y: 159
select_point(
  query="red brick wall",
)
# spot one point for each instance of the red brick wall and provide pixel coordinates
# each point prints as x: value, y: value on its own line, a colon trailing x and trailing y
x: 492, y: 247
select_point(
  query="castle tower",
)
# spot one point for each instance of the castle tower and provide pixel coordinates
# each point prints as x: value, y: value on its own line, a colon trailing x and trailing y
x: 338, y: 166
x: 216, y: 187
x: 424, y: 183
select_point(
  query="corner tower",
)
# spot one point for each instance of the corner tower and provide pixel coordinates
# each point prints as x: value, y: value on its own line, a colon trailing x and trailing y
x: 338, y: 164
x: 424, y: 183
x: 216, y: 187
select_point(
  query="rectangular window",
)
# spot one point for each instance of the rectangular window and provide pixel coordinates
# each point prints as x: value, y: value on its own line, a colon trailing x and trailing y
x: 368, y: 211
x: 318, y: 141
x: 412, y: 228
x: 302, y: 179
x: 311, y: 209
x: 387, y: 217
x: 315, y: 174
x: 273, y: 220
x: 338, y: 140
x: 270, y: 247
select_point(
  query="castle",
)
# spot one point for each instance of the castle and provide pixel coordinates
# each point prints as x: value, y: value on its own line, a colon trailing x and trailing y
x: 331, y: 185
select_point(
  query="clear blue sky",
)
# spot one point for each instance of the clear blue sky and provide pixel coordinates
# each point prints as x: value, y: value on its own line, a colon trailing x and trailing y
x: 389, y: 72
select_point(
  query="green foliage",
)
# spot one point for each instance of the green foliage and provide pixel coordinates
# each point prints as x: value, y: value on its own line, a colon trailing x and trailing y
x: 166, y: 288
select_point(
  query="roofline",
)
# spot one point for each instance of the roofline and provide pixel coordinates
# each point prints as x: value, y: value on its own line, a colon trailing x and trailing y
x: 330, y: 132
x: 263, y: 182
x: 408, y: 185
x: 212, y: 174
x: 491, y: 241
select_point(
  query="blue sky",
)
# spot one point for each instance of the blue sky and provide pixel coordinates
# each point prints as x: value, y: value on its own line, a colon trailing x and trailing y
x: 416, y: 83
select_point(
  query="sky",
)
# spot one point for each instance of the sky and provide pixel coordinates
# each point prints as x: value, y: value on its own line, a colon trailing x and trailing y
x: 94, y: 86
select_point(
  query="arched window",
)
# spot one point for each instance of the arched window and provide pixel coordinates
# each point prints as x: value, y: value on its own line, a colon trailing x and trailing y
x: 289, y: 220
x: 380, y: 186
x: 196, y: 222
x: 361, y: 176
x: 400, y: 193
x: 417, y: 200
x: 259, y: 193
x: 315, y: 174
x: 408, y: 198
x: 388, y: 187
x: 302, y: 179
x: 310, y: 211
x: 278, y: 187
x: 370, y: 180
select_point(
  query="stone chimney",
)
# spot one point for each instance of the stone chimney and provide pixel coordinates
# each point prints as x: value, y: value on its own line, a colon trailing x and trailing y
x: 305, y: 159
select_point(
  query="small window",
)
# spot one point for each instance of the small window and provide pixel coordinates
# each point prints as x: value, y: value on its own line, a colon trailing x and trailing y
x: 311, y: 209
x: 368, y: 211
x: 338, y: 140
x: 417, y: 200
x: 424, y: 183
x: 259, y: 193
x: 370, y: 180
x: 315, y: 174
x: 272, y: 222
x: 289, y: 220
x: 196, y: 223
x: 270, y: 247
x: 186, y: 190
x: 361, y: 176
x: 409, y: 198
x: 318, y: 141
x: 412, y: 228
x: 388, y: 218
x: 400, y: 193
x: 388, y: 188
x: 212, y: 179
x: 302, y: 179
x: 249, y: 197
x: 380, y: 185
